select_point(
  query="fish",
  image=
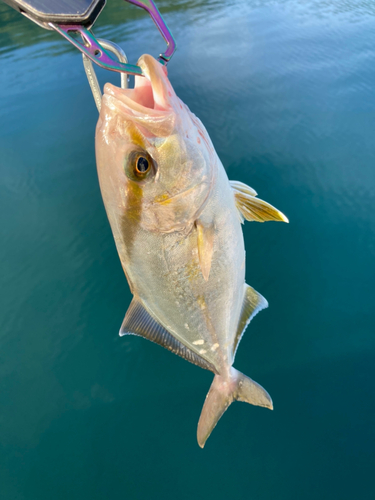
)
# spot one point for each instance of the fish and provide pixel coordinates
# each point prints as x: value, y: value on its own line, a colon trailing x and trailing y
x: 176, y: 221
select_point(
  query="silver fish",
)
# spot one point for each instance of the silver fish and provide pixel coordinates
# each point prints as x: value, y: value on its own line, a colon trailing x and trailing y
x: 176, y: 221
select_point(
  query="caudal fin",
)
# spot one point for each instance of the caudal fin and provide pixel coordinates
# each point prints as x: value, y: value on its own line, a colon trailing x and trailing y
x: 223, y: 391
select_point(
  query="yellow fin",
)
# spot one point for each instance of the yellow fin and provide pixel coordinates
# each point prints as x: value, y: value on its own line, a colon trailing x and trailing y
x: 252, y: 208
x: 242, y: 188
x: 206, y: 233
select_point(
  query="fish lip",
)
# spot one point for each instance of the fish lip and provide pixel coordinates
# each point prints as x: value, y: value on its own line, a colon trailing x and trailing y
x: 116, y: 96
x: 155, y: 78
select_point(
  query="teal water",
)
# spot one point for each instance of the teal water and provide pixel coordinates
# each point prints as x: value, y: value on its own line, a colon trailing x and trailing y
x: 286, y: 90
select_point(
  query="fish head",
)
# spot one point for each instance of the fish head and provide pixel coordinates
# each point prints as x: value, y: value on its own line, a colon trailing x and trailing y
x: 156, y: 163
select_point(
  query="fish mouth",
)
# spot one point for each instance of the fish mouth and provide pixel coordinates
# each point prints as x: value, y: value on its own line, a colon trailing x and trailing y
x: 151, y: 94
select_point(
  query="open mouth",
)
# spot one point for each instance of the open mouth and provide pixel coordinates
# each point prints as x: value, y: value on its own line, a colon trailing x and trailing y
x: 150, y: 93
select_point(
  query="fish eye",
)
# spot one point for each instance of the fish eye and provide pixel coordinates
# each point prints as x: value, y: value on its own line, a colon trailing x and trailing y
x: 138, y: 165
x: 143, y: 165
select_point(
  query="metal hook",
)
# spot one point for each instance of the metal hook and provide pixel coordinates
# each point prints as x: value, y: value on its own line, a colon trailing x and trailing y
x: 91, y: 75
x: 150, y: 7
x: 93, y: 50
x: 97, y: 53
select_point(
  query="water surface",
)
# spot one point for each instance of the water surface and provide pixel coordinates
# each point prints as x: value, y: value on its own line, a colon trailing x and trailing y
x: 286, y: 90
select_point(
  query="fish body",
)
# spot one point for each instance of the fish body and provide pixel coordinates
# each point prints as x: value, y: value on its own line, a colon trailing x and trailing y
x: 176, y: 221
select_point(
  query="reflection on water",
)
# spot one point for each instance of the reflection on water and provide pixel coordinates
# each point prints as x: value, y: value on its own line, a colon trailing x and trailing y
x: 121, y: 17
x: 286, y: 90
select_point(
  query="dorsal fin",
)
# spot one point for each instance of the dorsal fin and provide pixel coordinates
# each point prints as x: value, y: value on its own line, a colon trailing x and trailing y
x: 251, y: 207
x: 138, y: 321
x: 206, y: 234
x: 253, y: 302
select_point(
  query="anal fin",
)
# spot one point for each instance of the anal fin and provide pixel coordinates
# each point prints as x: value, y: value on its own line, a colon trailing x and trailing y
x: 139, y: 322
x: 253, y: 302
x: 251, y: 207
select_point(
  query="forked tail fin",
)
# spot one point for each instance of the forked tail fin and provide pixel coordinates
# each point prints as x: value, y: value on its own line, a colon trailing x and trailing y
x: 223, y: 391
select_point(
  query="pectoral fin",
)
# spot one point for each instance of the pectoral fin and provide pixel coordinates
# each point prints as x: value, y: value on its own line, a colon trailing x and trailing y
x: 206, y: 233
x: 139, y: 322
x: 251, y: 207
x: 253, y: 302
x: 243, y: 188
